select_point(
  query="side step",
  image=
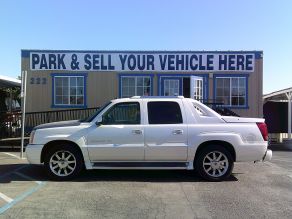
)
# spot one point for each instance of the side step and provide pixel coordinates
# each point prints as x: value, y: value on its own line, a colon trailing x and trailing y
x: 140, y: 165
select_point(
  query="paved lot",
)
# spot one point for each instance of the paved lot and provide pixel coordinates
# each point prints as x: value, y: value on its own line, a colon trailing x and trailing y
x: 262, y: 190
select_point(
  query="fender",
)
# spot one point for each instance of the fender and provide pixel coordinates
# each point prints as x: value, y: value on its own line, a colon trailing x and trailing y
x: 231, y: 138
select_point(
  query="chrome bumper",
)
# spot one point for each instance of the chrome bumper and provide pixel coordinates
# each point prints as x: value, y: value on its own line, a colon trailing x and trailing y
x: 268, y: 155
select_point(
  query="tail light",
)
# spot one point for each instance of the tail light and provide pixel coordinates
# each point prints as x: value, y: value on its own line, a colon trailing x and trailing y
x: 263, y: 129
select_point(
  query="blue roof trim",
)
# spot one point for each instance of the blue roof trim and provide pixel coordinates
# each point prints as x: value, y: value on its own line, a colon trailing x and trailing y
x: 259, y: 55
x: 26, y: 52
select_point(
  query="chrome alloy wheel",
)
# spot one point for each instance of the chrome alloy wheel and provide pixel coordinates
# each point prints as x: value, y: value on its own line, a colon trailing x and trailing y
x: 215, y: 164
x: 62, y: 163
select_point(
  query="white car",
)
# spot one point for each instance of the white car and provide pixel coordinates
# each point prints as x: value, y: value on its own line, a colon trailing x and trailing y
x: 150, y: 133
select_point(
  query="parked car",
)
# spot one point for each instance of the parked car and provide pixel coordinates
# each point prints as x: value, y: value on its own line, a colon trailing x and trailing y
x: 150, y: 133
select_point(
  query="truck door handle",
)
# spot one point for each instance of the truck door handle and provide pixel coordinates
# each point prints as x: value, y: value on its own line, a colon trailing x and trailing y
x: 177, y: 132
x: 137, y: 132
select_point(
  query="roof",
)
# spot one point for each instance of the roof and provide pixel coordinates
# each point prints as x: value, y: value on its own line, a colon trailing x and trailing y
x: 149, y: 98
x: 279, y: 95
x: 25, y: 53
x: 7, y: 82
x: 156, y: 97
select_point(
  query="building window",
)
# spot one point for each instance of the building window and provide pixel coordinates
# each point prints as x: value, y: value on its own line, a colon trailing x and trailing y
x: 231, y: 91
x: 68, y: 91
x: 171, y: 87
x: 135, y: 86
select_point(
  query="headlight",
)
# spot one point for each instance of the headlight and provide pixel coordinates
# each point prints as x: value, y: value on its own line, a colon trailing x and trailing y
x: 31, y: 137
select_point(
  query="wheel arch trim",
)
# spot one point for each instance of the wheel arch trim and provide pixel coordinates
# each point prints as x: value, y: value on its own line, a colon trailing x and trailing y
x: 53, y: 143
x: 228, y: 146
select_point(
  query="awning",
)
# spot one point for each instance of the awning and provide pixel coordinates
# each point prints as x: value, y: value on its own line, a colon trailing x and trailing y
x: 280, y: 95
x: 284, y: 95
x: 7, y: 82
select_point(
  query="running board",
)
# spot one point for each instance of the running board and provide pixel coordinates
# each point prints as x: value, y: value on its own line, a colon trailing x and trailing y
x: 140, y: 165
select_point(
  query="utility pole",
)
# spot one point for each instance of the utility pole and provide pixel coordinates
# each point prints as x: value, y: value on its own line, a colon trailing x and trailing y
x: 23, y: 101
x: 289, y: 97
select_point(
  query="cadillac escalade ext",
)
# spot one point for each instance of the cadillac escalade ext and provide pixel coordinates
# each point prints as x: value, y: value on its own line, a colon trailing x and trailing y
x: 150, y: 133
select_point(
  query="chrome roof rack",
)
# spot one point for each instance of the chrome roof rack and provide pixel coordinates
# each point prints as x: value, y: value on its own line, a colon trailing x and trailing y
x: 163, y: 97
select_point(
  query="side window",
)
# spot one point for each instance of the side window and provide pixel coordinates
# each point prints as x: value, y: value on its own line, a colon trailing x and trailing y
x: 122, y: 114
x: 164, y: 112
x: 199, y: 110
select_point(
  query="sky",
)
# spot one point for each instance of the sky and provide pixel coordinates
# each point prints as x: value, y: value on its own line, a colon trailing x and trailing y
x: 150, y: 25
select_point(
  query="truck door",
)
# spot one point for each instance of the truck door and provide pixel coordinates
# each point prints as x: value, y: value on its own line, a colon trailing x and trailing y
x: 166, y: 131
x: 120, y: 136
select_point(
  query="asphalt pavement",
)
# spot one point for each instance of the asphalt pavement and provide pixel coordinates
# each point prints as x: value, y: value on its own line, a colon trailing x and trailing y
x: 260, y: 190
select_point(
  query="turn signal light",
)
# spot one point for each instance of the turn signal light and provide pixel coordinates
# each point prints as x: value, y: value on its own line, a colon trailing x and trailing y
x: 31, y: 137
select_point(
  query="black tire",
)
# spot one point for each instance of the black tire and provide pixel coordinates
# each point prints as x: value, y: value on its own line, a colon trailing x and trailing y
x: 65, y: 168
x: 217, y: 170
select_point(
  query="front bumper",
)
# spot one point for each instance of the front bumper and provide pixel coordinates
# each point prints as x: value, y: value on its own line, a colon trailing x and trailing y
x: 33, y: 153
x: 268, y: 155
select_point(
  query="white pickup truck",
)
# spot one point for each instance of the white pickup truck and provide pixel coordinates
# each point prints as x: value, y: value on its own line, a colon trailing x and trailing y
x: 150, y: 133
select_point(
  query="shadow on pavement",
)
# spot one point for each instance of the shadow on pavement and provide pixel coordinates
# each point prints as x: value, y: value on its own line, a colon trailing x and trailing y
x: 37, y: 173
x: 279, y: 147
x: 10, y: 149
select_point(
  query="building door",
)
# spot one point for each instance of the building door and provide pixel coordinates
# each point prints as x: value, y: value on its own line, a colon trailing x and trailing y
x: 196, y: 88
x: 171, y: 86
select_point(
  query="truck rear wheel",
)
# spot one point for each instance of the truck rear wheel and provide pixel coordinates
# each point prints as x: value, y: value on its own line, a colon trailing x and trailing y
x: 63, y: 162
x: 214, y: 163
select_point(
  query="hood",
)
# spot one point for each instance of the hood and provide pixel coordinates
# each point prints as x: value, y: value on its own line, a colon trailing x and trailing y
x: 233, y: 119
x: 58, y: 124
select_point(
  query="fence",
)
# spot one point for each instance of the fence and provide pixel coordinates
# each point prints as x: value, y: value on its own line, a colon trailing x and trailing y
x: 10, y: 122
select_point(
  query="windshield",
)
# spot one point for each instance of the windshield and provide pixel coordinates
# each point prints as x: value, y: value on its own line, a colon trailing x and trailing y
x: 91, y: 117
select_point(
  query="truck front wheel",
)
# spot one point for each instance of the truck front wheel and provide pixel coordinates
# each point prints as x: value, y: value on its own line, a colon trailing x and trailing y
x: 63, y: 162
x: 214, y: 163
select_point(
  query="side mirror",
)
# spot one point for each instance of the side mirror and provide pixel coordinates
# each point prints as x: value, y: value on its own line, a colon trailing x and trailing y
x: 99, y: 121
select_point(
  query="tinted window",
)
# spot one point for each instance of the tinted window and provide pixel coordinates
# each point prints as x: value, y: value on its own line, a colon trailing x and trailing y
x: 164, y: 113
x: 122, y: 114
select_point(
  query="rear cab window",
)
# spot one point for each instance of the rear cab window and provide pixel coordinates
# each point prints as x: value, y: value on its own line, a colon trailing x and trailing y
x: 199, y: 110
x: 164, y: 112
